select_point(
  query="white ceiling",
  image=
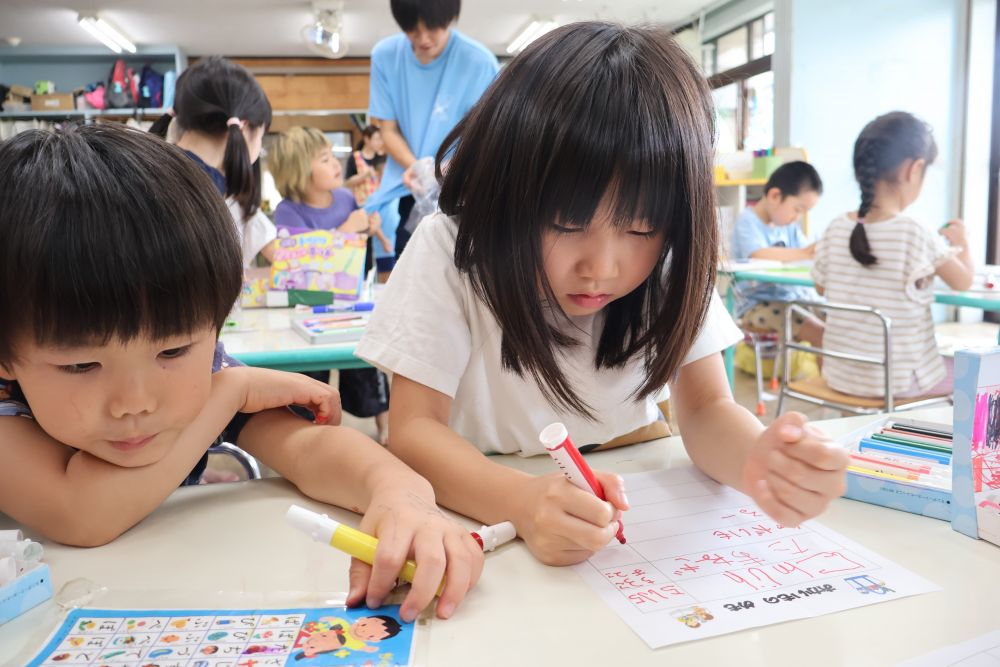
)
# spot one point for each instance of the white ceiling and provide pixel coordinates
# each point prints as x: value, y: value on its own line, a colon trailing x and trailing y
x: 271, y: 27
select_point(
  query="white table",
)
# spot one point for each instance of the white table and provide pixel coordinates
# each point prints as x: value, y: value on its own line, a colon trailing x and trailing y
x: 234, y: 538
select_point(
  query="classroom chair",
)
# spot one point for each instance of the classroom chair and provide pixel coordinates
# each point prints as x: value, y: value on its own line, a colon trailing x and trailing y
x: 818, y: 392
x: 765, y: 345
x: 247, y: 462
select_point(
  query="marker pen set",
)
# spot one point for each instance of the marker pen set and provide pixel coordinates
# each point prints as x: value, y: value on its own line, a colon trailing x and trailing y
x: 16, y: 555
x: 901, y: 463
x: 906, y: 451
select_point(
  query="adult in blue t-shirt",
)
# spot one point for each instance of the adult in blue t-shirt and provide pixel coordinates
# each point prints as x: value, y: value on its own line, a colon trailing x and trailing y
x: 422, y: 82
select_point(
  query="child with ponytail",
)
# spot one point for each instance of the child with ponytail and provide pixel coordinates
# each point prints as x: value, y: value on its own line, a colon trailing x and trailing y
x: 881, y: 258
x: 223, y: 113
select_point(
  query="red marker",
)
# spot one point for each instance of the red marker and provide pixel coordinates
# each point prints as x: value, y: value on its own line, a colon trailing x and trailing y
x: 555, y: 439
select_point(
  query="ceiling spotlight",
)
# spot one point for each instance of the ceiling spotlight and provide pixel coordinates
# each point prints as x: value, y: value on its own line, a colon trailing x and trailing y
x: 324, y: 36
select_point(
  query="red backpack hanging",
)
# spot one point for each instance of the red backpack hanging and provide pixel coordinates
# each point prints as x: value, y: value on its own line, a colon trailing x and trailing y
x: 120, y: 92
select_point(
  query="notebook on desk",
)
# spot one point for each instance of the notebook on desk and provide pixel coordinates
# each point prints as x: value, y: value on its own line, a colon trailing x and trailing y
x: 331, y: 328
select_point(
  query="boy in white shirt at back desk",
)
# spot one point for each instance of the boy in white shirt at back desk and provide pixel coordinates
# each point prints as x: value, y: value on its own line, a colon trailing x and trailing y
x: 768, y: 230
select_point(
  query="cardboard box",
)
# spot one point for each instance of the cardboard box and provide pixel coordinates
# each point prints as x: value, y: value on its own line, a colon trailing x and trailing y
x: 53, y: 102
x: 21, y: 91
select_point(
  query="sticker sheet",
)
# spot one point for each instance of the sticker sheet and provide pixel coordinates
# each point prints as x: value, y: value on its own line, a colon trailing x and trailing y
x: 230, y: 638
x: 702, y: 560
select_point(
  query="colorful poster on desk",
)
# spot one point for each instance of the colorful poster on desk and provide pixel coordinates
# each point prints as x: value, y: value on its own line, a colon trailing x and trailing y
x: 320, y: 260
x: 976, y: 455
x: 230, y: 638
x: 702, y: 560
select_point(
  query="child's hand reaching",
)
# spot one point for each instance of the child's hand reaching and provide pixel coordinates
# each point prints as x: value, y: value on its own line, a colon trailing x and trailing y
x: 954, y: 231
x: 562, y: 524
x: 408, y: 524
x: 792, y: 472
x: 262, y: 389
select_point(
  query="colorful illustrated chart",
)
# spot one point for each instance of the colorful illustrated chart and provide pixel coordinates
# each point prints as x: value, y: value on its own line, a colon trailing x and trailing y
x: 982, y: 651
x: 230, y: 638
x: 702, y: 560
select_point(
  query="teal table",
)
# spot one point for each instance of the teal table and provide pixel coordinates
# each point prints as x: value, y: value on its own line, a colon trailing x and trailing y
x: 799, y: 275
x: 265, y: 338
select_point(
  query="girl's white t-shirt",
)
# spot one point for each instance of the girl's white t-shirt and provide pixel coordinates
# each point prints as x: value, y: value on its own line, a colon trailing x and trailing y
x: 430, y: 327
x: 255, y: 232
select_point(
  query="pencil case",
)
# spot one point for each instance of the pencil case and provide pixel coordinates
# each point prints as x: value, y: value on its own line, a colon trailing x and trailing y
x: 28, y: 590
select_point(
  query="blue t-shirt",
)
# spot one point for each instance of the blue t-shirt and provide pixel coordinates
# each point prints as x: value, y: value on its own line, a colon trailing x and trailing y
x: 425, y: 101
x: 750, y: 234
x: 14, y: 404
x: 298, y: 217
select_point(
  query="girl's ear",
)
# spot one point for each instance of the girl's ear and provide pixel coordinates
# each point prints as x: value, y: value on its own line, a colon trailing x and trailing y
x: 911, y: 171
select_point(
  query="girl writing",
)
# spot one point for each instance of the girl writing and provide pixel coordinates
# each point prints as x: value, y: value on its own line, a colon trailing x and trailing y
x: 570, y: 277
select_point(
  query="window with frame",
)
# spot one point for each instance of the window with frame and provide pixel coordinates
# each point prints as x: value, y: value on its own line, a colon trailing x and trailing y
x: 738, y: 66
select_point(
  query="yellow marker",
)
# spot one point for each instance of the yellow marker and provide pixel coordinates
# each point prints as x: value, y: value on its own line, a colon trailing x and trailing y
x: 349, y: 540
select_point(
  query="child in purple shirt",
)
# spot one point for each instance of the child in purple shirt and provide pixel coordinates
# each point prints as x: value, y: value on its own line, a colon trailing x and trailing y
x: 310, y: 179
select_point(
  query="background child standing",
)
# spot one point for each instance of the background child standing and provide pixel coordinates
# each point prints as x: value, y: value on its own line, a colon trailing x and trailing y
x: 769, y: 230
x: 881, y: 258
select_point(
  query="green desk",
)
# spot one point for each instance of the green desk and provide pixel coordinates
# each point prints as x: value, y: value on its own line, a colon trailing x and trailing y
x: 266, y: 339
x: 799, y: 275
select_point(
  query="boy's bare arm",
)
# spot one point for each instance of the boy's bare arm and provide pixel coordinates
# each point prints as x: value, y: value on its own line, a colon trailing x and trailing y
x: 76, y: 498
x: 785, y: 254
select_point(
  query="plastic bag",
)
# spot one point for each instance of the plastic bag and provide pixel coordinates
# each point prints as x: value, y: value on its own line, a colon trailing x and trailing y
x: 426, y: 191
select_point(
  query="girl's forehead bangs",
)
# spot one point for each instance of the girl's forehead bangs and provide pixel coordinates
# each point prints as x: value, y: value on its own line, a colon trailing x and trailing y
x: 639, y: 184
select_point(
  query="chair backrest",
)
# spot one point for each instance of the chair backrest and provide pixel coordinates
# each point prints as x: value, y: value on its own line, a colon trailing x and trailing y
x: 246, y: 461
x: 788, y: 343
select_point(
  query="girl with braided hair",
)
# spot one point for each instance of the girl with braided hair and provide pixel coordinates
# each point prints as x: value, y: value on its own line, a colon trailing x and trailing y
x: 881, y: 258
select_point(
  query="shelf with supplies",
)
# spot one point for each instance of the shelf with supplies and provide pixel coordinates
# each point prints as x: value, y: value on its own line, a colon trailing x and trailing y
x: 55, y: 77
x: 82, y: 113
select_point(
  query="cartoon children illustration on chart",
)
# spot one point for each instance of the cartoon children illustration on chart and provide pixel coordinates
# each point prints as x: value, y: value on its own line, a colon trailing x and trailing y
x: 330, y: 634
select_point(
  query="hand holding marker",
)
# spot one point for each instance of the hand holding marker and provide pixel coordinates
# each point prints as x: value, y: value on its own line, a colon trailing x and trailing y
x: 362, y: 546
x: 555, y: 439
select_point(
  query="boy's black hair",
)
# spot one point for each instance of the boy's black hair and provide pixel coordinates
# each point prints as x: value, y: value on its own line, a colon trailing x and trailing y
x: 591, y: 113
x: 208, y: 95
x: 880, y: 149
x: 392, y: 626
x: 109, y: 233
x: 792, y: 178
x: 433, y: 13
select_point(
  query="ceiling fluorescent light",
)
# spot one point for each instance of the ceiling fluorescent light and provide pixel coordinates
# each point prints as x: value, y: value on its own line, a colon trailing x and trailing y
x: 107, y: 34
x: 115, y: 35
x: 535, y: 29
x: 89, y: 24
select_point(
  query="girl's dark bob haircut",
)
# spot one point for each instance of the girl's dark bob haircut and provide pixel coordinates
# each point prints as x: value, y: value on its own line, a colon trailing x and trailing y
x: 591, y: 114
x: 109, y: 233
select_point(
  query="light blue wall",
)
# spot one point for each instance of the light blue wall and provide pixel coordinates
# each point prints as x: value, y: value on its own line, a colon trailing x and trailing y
x: 852, y: 60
